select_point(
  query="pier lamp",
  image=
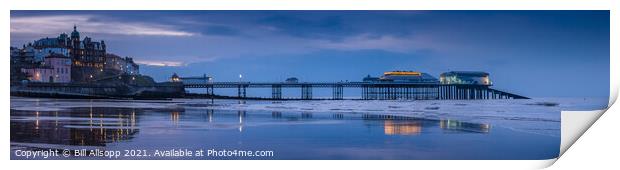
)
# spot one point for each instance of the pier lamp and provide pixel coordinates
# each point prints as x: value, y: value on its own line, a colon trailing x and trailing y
x: 240, y: 77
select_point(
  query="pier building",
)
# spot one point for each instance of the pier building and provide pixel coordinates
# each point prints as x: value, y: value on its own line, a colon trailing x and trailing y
x: 465, y: 77
x: 292, y: 80
x: 408, y: 77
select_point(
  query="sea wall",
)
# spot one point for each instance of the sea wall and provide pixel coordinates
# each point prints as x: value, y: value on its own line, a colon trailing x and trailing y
x: 75, y: 90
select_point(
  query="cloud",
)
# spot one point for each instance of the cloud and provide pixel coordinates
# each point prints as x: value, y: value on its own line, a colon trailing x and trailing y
x: 255, y: 35
x: 160, y: 63
x: 91, y: 24
x: 175, y: 63
x: 375, y: 42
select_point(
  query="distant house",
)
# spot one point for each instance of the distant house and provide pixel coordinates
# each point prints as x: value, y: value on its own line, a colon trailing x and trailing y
x: 55, y: 68
x: 292, y: 80
x: 20, y: 58
x: 39, y: 73
x: 465, y: 77
x: 175, y: 78
x: 46, y: 46
x: 368, y: 78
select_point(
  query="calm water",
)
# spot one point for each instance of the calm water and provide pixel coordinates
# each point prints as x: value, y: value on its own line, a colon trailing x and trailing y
x: 288, y: 135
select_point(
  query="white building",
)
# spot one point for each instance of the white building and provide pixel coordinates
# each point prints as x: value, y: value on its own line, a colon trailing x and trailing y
x: 39, y: 74
x: 61, y: 65
x: 56, y: 68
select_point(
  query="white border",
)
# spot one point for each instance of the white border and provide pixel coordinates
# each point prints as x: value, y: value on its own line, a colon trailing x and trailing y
x: 595, y: 145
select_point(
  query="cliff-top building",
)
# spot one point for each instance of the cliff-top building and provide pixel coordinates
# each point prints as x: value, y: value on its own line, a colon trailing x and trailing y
x: 87, y: 56
x: 67, y: 58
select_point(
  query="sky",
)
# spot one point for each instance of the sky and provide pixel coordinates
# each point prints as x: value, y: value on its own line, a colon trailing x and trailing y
x: 531, y: 53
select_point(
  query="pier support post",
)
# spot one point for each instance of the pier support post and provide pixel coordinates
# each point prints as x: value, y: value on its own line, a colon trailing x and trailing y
x: 337, y: 92
x: 210, y: 92
x: 241, y: 91
x: 276, y: 92
x: 306, y: 92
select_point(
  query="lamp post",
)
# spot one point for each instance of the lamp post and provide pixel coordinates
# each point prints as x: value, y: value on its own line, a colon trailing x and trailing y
x: 240, y: 88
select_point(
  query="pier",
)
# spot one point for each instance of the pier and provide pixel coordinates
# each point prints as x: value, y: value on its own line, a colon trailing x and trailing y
x: 369, y: 90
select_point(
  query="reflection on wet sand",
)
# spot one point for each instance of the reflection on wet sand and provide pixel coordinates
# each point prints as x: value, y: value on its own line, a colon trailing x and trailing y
x: 99, y: 126
x: 464, y: 126
x: 406, y: 128
x: 83, y: 126
x: 405, y: 125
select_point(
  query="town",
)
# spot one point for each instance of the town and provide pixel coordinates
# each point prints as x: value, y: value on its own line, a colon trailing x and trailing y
x: 71, y: 67
x: 68, y: 59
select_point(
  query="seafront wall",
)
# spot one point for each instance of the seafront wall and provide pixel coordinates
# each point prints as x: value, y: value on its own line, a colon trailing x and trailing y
x: 118, y: 91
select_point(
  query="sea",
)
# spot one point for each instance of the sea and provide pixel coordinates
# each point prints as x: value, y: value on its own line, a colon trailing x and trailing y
x: 205, y: 129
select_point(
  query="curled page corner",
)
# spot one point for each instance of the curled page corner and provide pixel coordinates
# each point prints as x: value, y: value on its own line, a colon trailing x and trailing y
x: 575, y: 123
x: 544, y: 163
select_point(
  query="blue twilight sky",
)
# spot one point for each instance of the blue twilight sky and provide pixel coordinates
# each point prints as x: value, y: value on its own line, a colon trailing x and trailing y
x: 533, y: 53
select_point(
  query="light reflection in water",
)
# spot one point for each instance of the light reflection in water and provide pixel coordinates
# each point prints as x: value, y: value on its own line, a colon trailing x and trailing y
x: 133, y: 120
x: 406, y: 128
x: 56, y: 120
x: 174, y: 117
x: 80, y: 126
x: 90, y: 120
x: 36, y: 123
x: 210, y: 115
x: 404, y: 125
x: 241, y: 114
x: 464, y: 126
